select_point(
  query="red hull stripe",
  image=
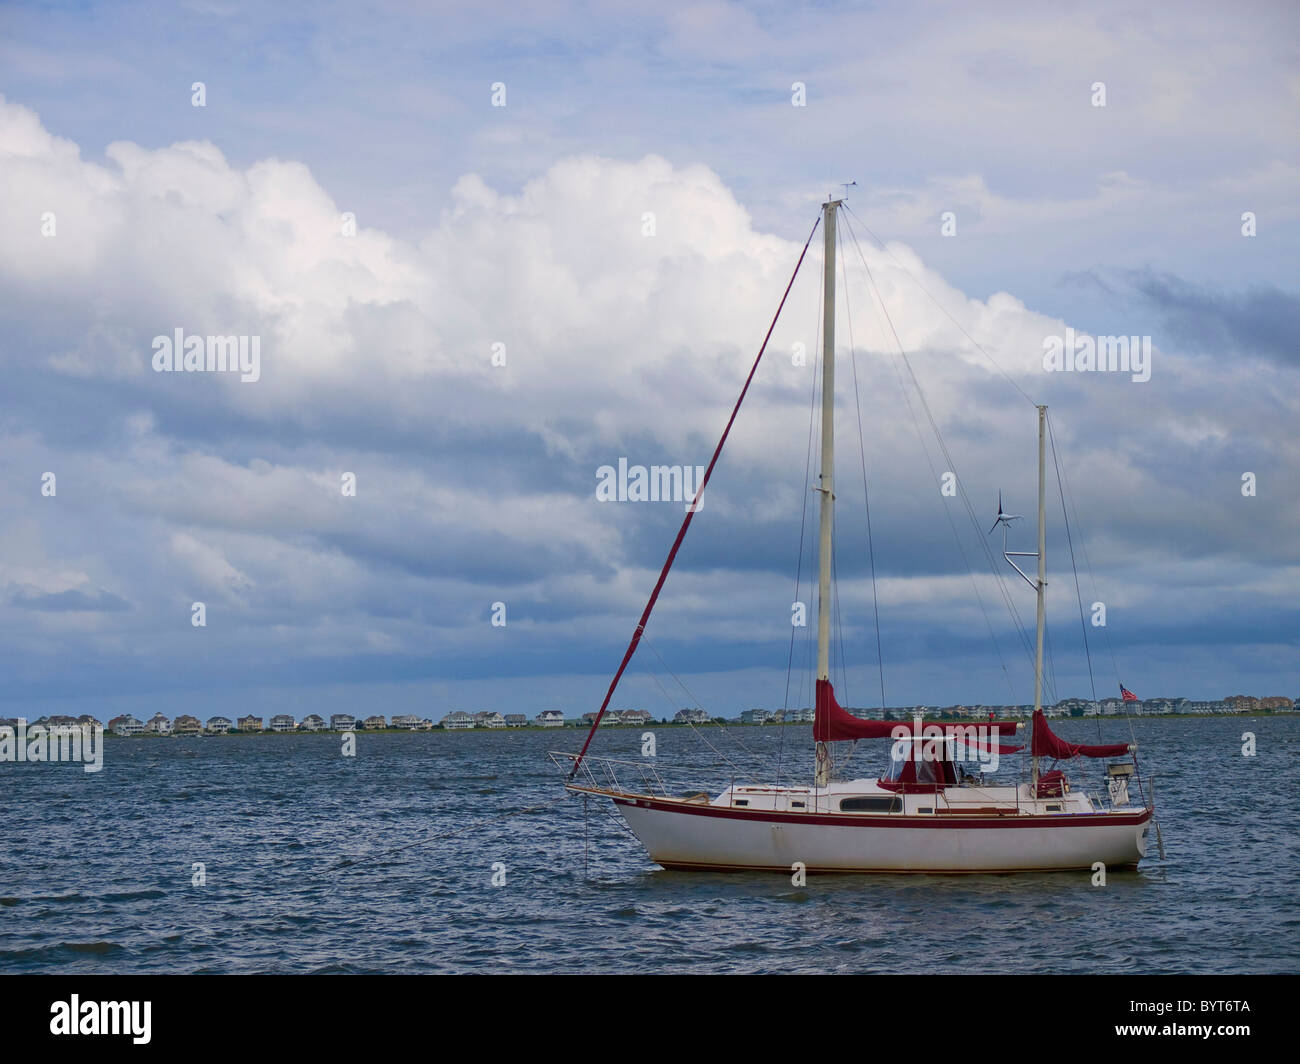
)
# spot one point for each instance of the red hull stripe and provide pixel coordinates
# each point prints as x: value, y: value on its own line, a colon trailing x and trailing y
x: 690, y: 866
x: 895, y: 820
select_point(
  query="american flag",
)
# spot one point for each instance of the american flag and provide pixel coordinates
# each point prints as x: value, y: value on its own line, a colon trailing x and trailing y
x: 1126, y: 694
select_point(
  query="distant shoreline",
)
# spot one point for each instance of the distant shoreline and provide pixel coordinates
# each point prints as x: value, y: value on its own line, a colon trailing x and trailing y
x: 973, y: 721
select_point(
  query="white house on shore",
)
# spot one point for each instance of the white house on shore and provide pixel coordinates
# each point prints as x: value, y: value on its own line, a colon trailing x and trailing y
x: 457, y: 721
x: 342, y: 722
x: 407, y: 722
x: 282, y: 722
x: 516, y: 720
x: 549, y: 718
x: 159, y: 725
x: 312, y: 722
x: 218, y: 725
x: 126, y: 725
x: 489, y: 719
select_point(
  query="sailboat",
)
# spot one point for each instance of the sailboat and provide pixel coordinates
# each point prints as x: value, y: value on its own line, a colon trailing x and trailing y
x: 925, y: 813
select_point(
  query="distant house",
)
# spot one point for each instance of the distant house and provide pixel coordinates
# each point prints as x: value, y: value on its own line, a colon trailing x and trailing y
x: 457, y: 721
x: 159, y: 725
x: 186, y: 725
x: 1276, y: 702
x: 588, y: 719
x: 516, y: 720
x: 218, y: 725
x: 86, y: 718
x: 489, y: 719
x: 282, y: 722
x: 407, y: 722
x: 635, y: 716
x: 312, y: 722
x: 755, y: 716
x: 550, y: 718
x: 425, y: 725
x: 126, y: 725
x: 691, y: 716
x: 249, y: 724
x: 376, y: 722
x: 342, y: 722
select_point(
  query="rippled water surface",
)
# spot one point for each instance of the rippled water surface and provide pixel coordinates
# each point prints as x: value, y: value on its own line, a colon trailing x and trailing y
x: 384, y: 862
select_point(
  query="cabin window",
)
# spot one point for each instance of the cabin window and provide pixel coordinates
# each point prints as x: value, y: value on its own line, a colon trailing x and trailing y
x: 798, y: 805
x: 741, y: 801
x: 1053, y: 808
x: 883, y: 804
x: 926, y: 809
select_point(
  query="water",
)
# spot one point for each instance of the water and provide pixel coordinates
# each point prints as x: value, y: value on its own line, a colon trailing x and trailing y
x: 96, y: 869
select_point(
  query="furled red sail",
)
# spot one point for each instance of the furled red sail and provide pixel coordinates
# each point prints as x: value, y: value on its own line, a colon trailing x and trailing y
x: 1046, y: 744
x: 834, y: 724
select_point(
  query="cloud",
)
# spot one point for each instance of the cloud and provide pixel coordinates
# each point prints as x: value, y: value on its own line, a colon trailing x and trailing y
x: 1259, y: 322
x: 72, y: 600
x: 628, y: 297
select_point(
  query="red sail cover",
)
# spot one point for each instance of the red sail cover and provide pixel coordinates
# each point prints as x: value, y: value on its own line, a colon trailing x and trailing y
x: 833, y: 724
x: 1048, y: 745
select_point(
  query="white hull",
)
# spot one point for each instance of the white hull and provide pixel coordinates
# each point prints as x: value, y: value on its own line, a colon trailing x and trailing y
x: 684, y: 835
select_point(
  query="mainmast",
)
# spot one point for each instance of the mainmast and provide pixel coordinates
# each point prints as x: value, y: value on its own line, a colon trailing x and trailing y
x: 826, y: 484
x: 1042, y: 567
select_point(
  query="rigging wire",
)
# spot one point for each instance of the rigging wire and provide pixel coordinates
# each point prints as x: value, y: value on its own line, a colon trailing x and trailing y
x: 721, y: 727
x: 1005, y: 593
x: 1092, y: 579
x: 917, y: 280
x: 866, y: 494
x: 1069, y: 538
x: 1008, y: 600
x: 639, y: 631
x: 803, y: 525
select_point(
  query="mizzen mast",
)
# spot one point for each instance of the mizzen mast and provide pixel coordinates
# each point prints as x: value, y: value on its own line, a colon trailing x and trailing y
x: 826, y: 478
x: 1042, y: 569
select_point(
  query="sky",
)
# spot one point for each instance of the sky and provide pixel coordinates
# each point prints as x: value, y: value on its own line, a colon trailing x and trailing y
x: 393, y: 200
